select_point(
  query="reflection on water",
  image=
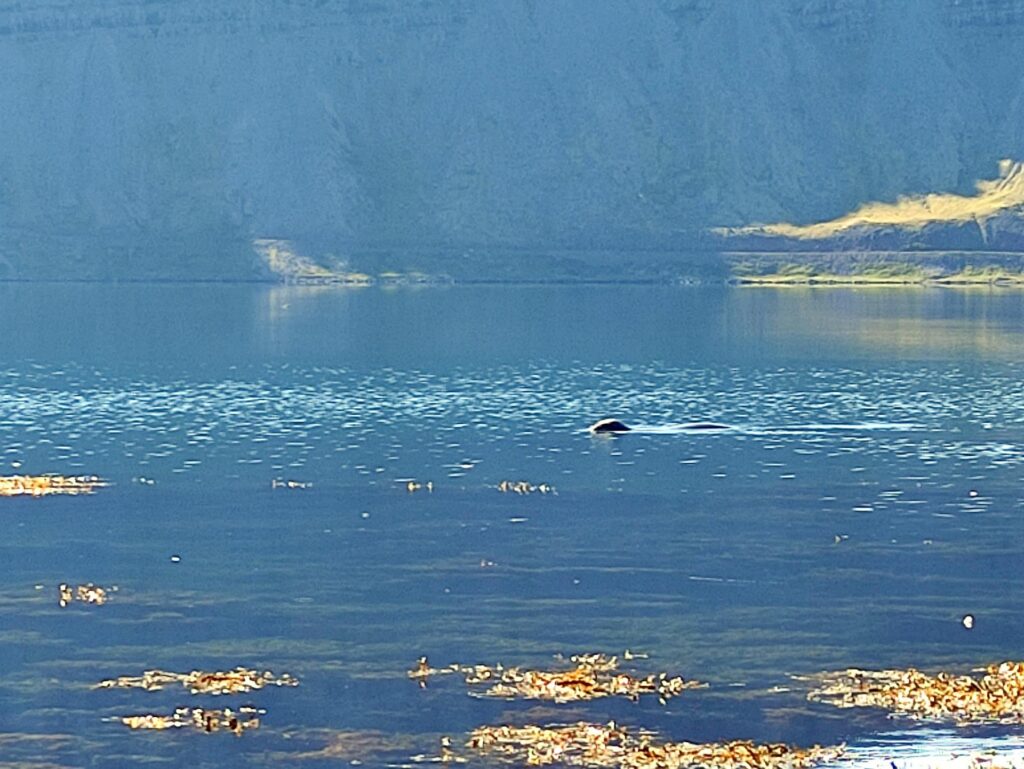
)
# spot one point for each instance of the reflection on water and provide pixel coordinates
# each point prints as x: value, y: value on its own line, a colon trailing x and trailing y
x: 864, y: 500
x: 917, y: 323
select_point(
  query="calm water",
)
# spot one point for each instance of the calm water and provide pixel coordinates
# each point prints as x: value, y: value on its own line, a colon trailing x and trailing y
x: 889, y: 419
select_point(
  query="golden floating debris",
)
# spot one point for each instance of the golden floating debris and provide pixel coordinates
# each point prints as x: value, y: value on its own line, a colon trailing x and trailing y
x: 412, y: 486
x: 237, y: 681
x: 278, y: 483
x: 612, y: 746
x: 996, y: 697
x: 202, y: 719
x: 46, y: 485
x: 524, y: 487
x: 87, y: 593
x: 593, y: 676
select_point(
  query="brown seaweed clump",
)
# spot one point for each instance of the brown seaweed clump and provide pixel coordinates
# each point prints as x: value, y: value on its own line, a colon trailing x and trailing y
x: 201, y: 719
x: 601, y: 746
x: 237, y: 681
x: 593, y: 676
x: 524, y: 487
x: 46, y: 485
x: 87, y: 593
x: 998, y: 696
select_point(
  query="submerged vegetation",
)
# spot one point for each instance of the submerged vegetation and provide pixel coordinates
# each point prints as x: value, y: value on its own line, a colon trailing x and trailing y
x: 997, y: 696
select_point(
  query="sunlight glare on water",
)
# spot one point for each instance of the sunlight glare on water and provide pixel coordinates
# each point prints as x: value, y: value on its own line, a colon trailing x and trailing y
x: 863, y: 500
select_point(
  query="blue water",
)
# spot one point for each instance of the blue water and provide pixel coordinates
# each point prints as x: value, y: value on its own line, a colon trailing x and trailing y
x: 889, y: 420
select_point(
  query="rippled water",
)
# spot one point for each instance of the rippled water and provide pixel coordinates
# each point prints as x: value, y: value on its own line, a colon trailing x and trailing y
x: 865, y: 498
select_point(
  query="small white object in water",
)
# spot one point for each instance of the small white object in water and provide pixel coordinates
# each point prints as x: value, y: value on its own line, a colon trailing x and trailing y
x: 175, y: 559
x: 968, y: 621
x: 972, y: 493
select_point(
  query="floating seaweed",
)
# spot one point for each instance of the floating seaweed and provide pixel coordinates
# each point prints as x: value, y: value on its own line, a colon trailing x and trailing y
x: 46, y: 485
x: 237, y: 681
x: 278, y: 483
x: 201, y: 719
x: 612, y: 746
x: 593, y: 676
x: 87, y: 593
x: 524, y: 487
x: 996, y: 697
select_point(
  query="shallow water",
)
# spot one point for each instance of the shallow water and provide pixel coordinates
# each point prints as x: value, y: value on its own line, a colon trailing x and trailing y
x: 865, y: 498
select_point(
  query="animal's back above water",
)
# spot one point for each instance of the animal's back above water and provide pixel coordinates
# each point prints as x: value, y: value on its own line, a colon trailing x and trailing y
x: 609, y: 426
x: 615, y: 426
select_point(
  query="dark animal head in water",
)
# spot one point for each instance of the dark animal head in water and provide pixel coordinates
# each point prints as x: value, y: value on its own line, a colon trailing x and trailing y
x: 608, y: 426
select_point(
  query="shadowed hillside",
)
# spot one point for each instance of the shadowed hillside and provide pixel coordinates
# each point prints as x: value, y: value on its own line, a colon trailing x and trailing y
x: 161, y: 139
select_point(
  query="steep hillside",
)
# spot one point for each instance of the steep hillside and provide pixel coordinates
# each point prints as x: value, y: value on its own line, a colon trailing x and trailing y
x: 161, y: 138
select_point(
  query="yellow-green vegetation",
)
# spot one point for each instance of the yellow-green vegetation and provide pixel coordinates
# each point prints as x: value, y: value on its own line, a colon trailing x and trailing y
x: 997, y: 696
x: 992, y: 197
x: 983, y: 276
x: 609, y: 746
x: 903, y: 274
x: 792, y: 273
x: 292, y: 267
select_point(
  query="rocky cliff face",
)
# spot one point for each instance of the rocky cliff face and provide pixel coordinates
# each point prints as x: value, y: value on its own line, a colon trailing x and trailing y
x: 161, y: 137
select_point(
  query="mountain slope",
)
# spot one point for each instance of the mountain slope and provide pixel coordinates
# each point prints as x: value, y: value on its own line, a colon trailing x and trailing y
x: 161, y: 138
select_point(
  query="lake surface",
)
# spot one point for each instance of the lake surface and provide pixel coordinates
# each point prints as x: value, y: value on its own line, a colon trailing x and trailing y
x: 866, y: 498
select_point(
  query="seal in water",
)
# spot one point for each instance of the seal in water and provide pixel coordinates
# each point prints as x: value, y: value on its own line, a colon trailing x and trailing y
x: 615, y: 426
x: 609, y: 426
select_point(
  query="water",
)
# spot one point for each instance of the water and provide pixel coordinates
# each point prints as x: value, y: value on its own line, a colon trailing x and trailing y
x: 865, y: 498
